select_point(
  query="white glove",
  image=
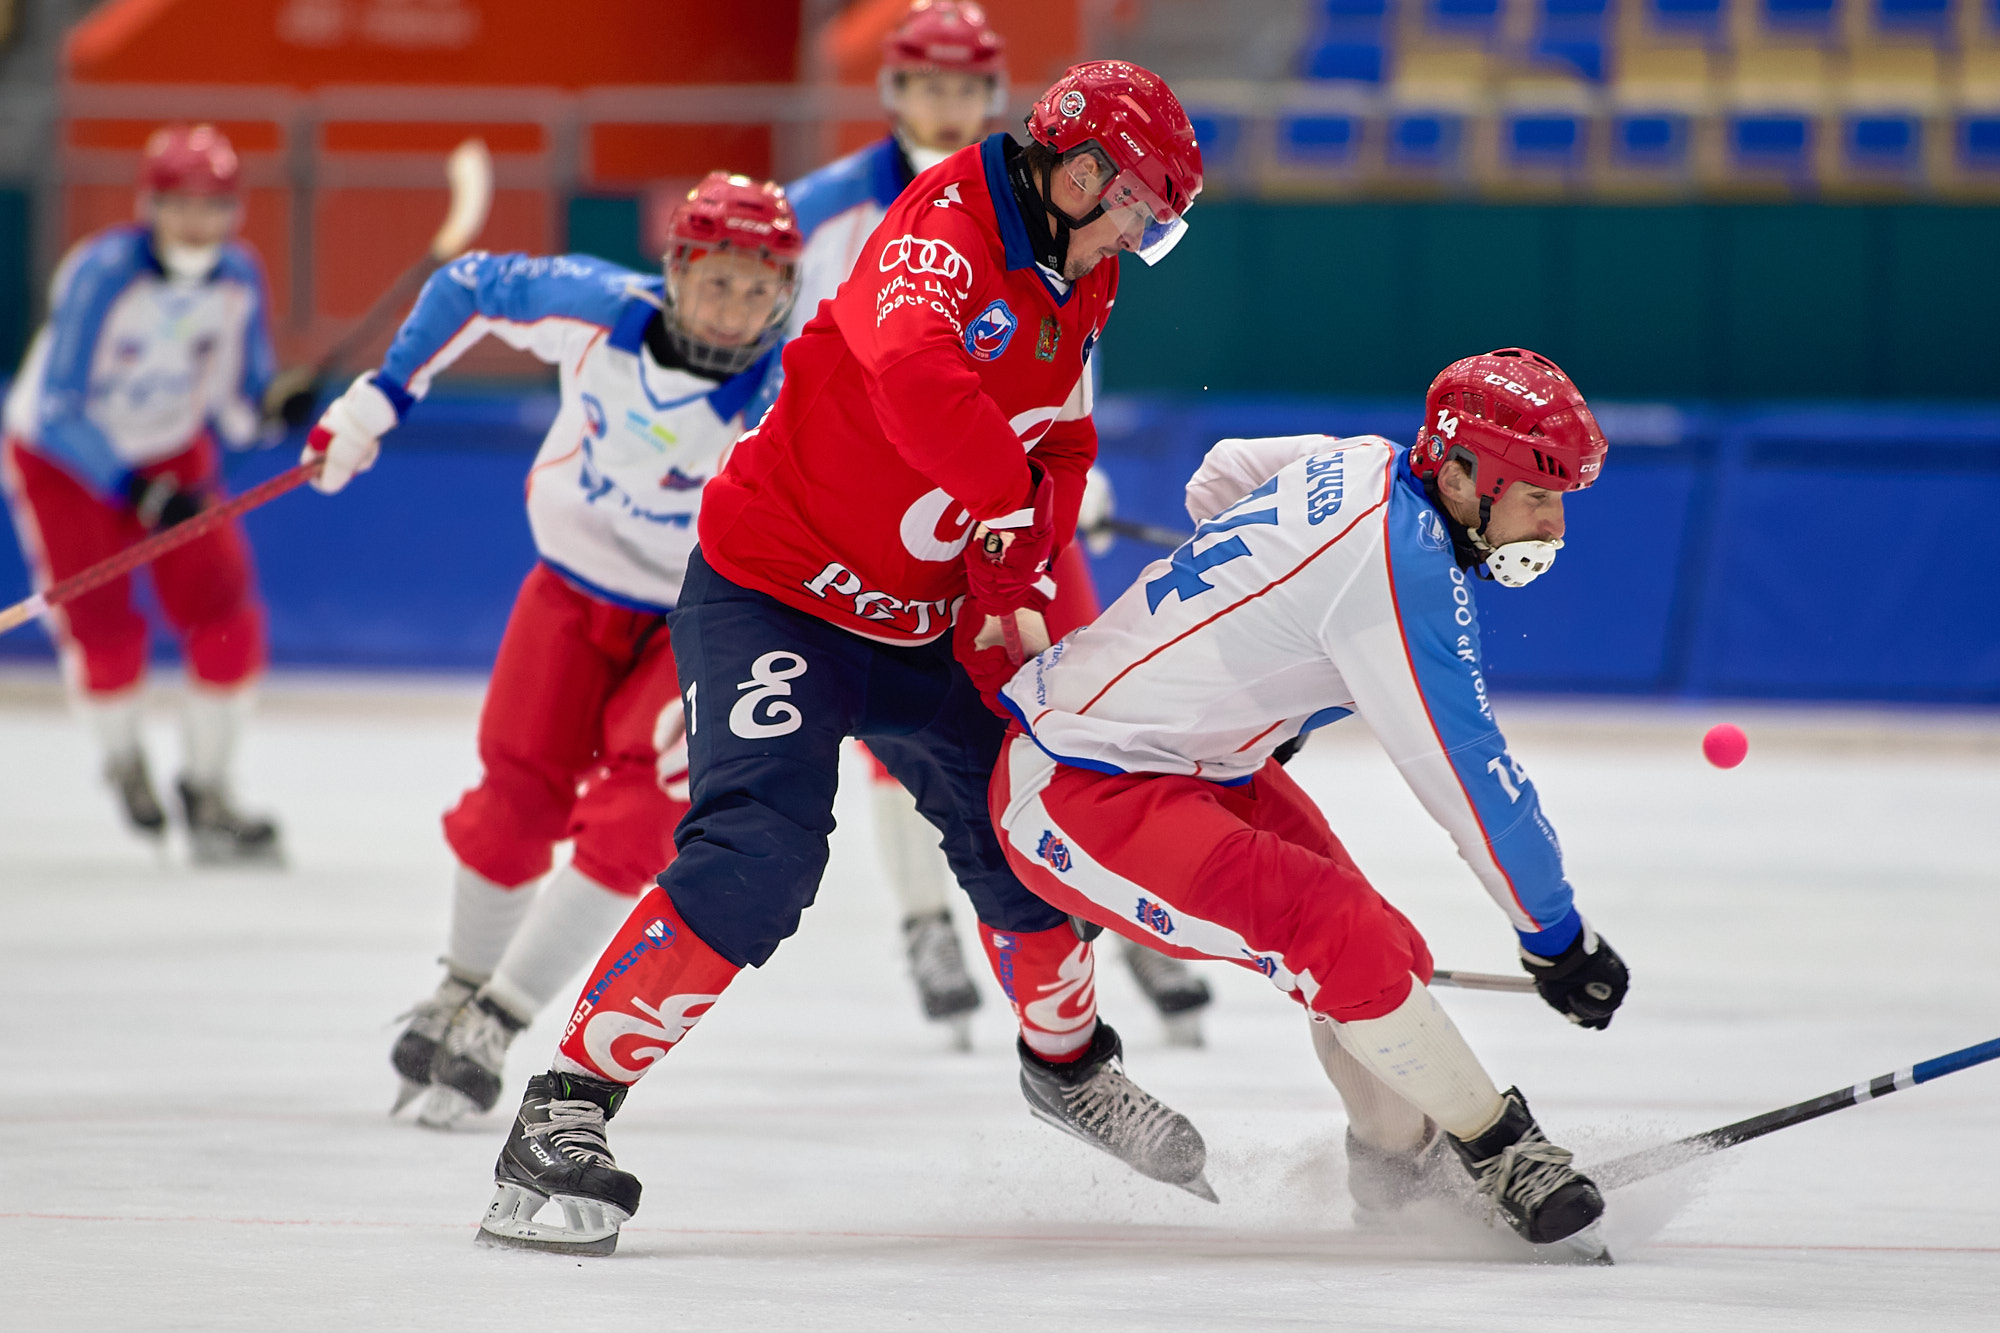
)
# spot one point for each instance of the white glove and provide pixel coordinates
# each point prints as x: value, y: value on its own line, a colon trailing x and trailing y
x: 1099, y: 501
x: 349, y: 434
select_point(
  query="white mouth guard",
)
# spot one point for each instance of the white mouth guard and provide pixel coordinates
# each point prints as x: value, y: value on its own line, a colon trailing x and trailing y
x: 1517, y: 564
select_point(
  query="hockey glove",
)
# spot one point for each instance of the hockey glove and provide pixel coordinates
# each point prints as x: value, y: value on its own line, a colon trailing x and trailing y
x: 290, y: 396
x: 159, y: 502
x: 1585, y: 982
x: 1006, y: 565
x: 989, y: 668
x: 349, y: 435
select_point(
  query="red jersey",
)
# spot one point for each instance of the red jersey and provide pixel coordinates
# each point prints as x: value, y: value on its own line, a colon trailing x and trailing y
x: 910, y: 404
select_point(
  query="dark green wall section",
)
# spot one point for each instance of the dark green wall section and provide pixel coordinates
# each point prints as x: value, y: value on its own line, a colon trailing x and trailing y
x: 16, y: 294
x: 608, y: 226
x: 1685, y: 301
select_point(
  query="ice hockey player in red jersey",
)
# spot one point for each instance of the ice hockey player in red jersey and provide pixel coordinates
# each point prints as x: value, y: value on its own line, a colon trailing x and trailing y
x: 1329, y: 578
x: 943, y: 76
x: 581, y: 738
x: 837, y: 591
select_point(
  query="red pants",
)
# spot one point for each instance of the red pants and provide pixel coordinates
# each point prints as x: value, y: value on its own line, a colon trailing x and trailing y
x: 206, y: 588
x: 582, y: 704
x: 1251, y: 874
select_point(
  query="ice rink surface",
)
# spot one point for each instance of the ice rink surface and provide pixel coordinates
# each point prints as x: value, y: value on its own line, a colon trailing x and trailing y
x: 199, y: 1140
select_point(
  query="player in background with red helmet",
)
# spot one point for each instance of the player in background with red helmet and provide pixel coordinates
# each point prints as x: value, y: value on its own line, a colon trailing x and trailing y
x: 943, y: 77
x: 157, y: 341
x: 837, y: 592
x: 581, y: 737
x: 1328, y: 578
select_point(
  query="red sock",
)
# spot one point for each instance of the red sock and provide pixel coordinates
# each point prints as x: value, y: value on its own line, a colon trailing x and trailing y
x: 651, y: 986
x: 1050, y: 978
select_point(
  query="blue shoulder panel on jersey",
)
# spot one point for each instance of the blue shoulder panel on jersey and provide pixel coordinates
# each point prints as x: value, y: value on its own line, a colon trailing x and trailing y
x: 1441, y: 631
x: 874, y: 173
x: 517, y: 288
x: 65, y: 434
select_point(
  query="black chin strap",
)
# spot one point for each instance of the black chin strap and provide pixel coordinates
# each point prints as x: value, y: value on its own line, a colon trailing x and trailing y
x: 1032, y: 196
x: 1464, y: 550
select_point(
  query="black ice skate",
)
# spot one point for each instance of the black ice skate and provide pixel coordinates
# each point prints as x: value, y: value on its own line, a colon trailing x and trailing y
x: 221, y: 835
x: 938, y: 968
x: 1174, y: 989
x: 556, y: 1152
x: 465, y: 1076
x: 1384, y: 1183
x: 1092, y: 1099
x: 1530, y: 1183
x: 416, y: 1049
x: 133, y: 786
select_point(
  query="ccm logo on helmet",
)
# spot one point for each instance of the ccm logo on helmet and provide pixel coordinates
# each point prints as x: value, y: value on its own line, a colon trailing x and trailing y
x: 1518, y: 390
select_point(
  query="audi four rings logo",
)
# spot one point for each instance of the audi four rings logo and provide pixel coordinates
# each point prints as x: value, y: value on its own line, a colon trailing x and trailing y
x: 921, y: 254
x: 1070, y: 104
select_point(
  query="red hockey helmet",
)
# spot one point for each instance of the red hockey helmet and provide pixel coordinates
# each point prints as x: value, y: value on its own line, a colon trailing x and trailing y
x: 189, y: 159
x: 953, y: 36
x: 1516, y: 417
x: 726, y: 212
x: 1130, y: 116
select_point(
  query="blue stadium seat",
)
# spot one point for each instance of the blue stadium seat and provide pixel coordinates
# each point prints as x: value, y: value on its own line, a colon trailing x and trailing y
x: 1882, y: 141
x: 1218, y: 134
x: 1979, y: 142
x: 1323, y: 140
x: 1359, y: 57
x: 1354, y: 9
x: 1544, y: 139
x: 1424, y: 139
x: 1801, y: 16
x: 1479, y: 17
x: 1696, y: 18
x: 1773, y: 140
x: 1654, y: 140
x: 1909, y: 15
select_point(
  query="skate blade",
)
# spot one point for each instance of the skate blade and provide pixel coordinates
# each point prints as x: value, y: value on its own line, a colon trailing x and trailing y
x: 589, y: 1226
x: 407, y: 1092
x: 1586, y: 1247
x: 1184, y: 1030
x: 1199, y: 1186
x: 444, y: 1108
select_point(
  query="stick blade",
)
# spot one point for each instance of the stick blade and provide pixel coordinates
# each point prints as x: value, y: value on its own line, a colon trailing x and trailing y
x: 469, y: 170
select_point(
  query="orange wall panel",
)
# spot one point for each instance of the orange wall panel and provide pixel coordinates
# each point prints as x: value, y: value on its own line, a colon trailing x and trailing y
x: 311, y: 43
x: 246, y: 136
x: 641, y: 154
x: 392, y: 136
x: 363, y: 239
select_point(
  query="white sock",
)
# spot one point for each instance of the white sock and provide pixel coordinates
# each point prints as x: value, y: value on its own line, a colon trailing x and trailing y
x: 211, y: 725
x: 1378, y: 1117
x: 1418, y: 1053
x: 918, y: 874
x: 572, y: 920
x: 484, y: 917
x: 113, y: 720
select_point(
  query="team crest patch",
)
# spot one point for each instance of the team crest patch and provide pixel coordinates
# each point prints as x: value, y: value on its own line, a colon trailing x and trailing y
x: 1154, y: 917
x: 987, y: 336
x: 1047, y: 339
x: 1055, y: 851
x: 677, y: 480
x: 1070, y: 104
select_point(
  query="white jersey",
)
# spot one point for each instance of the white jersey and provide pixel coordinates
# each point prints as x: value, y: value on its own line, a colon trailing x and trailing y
x: 133, y: 365
x: 614, y: 492
x: 1327, y: 590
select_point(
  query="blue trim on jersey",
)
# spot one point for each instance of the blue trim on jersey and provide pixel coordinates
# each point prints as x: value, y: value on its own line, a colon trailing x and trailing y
x: 260, y: 361
x: 1094, y: 765
x: 518, y: 288
x: 64, y: 433
x: 1440, y: 623
x: 874, y: 174
x: 589, y: 589
x: 1007, y: 212
x: 1324, y: 717
x: 628, y: 332
x: 735, y: 393
x: 1548, y: 943
x: 399, y: 397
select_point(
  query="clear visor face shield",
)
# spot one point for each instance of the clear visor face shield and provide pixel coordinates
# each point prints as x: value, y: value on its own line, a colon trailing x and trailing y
x: 1145, y: 223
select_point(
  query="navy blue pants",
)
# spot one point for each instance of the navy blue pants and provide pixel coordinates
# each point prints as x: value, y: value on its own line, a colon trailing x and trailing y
x: 770, y: 692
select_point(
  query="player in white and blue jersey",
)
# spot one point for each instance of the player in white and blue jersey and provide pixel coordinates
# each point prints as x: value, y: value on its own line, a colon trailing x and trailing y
x: 1329, y: 578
